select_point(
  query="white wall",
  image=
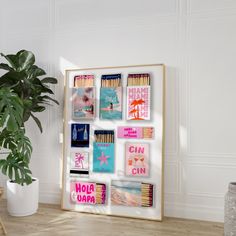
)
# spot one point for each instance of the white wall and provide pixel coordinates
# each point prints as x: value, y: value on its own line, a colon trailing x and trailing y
x: 196, y: 39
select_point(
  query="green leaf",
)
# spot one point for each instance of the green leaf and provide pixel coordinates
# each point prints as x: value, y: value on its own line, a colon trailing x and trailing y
x: 11, y: 110
x: 45, y: 97
x: 49, y: 80
x: 12, y: 125
x: 24, y: 146
x: 17, y: 142
x: 12, y: 59
x: 44, y: 89
x: 2, y: 161
x: 37, y: 122
x: 28, y: 179
x: 11, y: 78
x: 26, y: 115
x: 16, y: 169
x: 27, y: 102
x: 35, y: 71
x: 38, y: 109
x: 10, y: 171
x: 17, y: 176
x: 5, y: 67
x: 26, y: 59
x: 4, y: 168
x: 23, y: 60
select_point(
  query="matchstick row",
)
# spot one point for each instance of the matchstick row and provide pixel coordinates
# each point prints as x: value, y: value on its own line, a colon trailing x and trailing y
x: 104, y: 136
x: 147, y: 195
x: 138, y: 79
x: 148, y: 132
x: 83, y: 81
x: 100, y: 193
x: 111, y: 80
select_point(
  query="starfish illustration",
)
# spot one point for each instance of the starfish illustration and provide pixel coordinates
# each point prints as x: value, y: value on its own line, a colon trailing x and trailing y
x: 103, y: 159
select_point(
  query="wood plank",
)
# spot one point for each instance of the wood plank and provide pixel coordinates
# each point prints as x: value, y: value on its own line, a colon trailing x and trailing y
x: 51, y: 220
x: 1, y: 222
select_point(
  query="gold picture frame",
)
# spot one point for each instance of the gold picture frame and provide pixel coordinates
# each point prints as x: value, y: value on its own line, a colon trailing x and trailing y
x: 158, y: 94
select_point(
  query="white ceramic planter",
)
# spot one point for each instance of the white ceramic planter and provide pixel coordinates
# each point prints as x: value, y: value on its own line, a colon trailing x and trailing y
x: 22, y: 200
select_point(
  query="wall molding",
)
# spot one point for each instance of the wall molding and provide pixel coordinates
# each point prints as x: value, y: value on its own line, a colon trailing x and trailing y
x: 206, y: 195
x: 50, y: 197
x: 175, y: 165
x: 175, y: 110
x: 193, y: 211
x: 189, y: 151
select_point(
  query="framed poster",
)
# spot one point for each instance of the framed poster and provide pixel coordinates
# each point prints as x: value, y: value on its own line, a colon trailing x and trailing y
x: 128, y: 163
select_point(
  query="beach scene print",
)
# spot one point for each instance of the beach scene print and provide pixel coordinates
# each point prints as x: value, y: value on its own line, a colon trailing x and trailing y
x: 83, y: 103
x: 110, y: 103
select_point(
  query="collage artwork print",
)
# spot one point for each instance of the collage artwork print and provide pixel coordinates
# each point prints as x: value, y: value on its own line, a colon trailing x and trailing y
x: 101, y: 160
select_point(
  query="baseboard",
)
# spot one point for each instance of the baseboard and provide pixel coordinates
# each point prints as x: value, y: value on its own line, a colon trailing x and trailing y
x: 49, y: 193
x: 50, y: 197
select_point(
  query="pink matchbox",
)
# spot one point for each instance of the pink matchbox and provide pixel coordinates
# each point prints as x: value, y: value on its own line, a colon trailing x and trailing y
x: 130, y: 132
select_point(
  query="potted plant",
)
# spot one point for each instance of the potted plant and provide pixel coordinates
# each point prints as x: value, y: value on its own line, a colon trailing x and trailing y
x: 22, y: 94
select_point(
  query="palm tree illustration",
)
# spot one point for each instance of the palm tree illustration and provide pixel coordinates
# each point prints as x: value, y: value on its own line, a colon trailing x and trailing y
x: 80, y: 160
x: 133, y: 112
x: 135, y: 108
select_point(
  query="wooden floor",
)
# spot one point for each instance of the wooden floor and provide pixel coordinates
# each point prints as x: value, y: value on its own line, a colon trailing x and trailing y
x: 50, y: 220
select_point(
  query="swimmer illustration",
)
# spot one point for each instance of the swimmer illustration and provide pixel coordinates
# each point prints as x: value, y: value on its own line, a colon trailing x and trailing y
x: 111, y: 97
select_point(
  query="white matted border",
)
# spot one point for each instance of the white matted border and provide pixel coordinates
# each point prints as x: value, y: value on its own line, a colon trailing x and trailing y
x: 157, y: 72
